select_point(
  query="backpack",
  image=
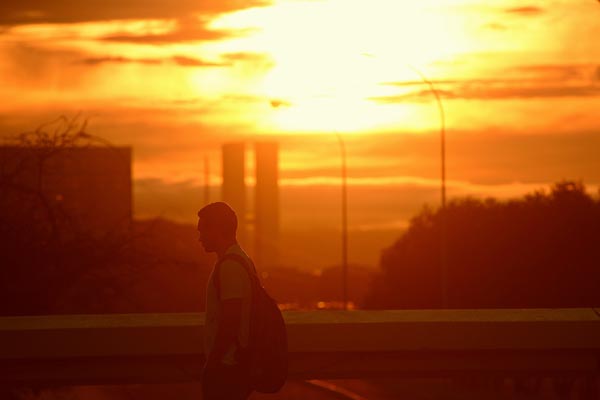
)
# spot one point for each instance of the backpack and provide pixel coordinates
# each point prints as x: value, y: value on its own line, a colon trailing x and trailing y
x: 266, y: 356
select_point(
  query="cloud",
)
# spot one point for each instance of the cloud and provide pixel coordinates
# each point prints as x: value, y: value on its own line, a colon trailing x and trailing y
x: 483, y: 93
x: 259, y: 62
x: 191, y: 18
x: 179, y: 60
x: 276, y: 103
x: 470, y: 82
x: 170, y: 148
x: 119, y: 60
x: 522, y: 74
x: 521, y: 82
x: 559, y: 72
x: 245, y: 56
x: 526, y: 10
x: 28, y: 66
x: 495, y: 26
x: 492, y: 156
x: 185, y: 61
x: 177, y: 36
x: 64, y: 11
x: 188, y: 29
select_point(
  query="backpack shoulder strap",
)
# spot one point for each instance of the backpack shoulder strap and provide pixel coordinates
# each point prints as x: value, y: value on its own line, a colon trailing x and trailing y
x: 250, y: 269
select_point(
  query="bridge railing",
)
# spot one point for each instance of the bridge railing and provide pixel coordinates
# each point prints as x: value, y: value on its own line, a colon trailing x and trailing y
x: 139, y: 348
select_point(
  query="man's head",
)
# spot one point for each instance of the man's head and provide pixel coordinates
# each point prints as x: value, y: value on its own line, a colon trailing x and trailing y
x: 217, y: 225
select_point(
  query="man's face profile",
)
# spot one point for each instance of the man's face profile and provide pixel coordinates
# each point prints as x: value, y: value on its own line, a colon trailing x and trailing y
x: 207, y: 235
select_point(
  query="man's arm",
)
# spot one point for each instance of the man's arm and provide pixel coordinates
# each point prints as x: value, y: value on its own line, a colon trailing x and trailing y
x: 233, y: 283
x: 227, y: 329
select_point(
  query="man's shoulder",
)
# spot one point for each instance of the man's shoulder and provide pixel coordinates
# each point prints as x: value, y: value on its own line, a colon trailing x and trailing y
x: 232, y: 264
x: 235, y: 260
x: 236, y: 255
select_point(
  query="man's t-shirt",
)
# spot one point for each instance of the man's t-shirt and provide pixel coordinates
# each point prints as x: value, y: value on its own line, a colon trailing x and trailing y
x: 235, y: 283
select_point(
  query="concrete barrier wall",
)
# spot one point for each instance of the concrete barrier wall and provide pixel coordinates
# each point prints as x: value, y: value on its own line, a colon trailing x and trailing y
x: 78, y: 349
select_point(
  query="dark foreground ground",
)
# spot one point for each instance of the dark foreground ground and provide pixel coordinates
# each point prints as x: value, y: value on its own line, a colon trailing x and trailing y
x: 354, y: 389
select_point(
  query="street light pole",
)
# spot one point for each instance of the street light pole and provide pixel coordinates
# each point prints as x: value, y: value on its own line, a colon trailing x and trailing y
x: 344, y: 221
x: 276, y: 104
x: 443, y: 239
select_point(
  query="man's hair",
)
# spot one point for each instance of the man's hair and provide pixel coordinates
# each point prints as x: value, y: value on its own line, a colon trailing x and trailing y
x: 219, y: 215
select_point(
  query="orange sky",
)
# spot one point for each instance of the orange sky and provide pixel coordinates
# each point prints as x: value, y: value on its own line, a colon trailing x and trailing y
x: 519, y: 81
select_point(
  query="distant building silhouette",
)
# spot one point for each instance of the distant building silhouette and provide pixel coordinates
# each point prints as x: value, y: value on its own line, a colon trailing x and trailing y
x: 266, y: 204
x: 233, y: 189
x: 262, y: 223
x: 90, y: 185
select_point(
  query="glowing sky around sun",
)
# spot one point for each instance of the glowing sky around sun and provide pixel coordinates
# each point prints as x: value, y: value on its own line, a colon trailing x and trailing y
x: 208, y: 72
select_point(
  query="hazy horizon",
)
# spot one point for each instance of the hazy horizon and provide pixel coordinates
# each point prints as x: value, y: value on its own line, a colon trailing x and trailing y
x: 311, y: 217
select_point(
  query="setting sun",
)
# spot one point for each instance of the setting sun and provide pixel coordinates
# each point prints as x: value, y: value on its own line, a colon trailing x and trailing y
x: 178, y: 81
x: 328, y: 65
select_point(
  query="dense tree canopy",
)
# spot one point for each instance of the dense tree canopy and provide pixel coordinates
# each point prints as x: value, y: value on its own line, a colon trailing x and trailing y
x: 537, y: 251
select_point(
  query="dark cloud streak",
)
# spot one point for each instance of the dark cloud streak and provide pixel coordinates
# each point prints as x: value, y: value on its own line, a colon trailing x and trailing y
x: 521, y: 82
x: 489, y: 81
x: 557, y: 71
x: 178, y: 36
x: 189, y: 29
x: 245, y: 56
x: 195, y: 62
x: 65, y: 11
x: 118, y: 60
x: 494, y: 93
x: 541, y: 73
x: 526, y: 10
x: 178, y: 60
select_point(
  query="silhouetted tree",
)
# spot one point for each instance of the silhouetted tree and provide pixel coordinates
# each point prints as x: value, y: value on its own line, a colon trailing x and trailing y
x: 53, y: 261
x: 537, y: 251
x: 47, y: 251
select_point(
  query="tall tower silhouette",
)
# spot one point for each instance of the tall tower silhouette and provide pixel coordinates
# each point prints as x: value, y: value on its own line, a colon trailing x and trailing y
x: 266, y: 203
x: 233, y: 189
x: 264, y: 222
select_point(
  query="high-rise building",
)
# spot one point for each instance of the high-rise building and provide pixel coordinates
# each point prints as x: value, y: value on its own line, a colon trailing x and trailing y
x: 234, y: 185
x: 266, y: 204
x: 261, y: 225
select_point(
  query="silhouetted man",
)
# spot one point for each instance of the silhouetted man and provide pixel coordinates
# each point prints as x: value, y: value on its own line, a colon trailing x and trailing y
x: 227, y: 307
